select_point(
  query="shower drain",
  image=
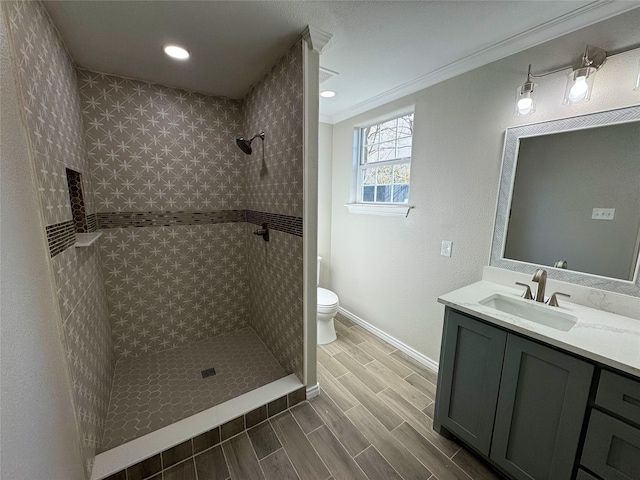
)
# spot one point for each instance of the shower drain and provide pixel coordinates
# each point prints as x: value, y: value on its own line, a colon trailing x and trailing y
x: 209, y: 372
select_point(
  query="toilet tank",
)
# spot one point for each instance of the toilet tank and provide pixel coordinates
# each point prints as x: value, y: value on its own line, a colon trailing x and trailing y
x: 318, y: 273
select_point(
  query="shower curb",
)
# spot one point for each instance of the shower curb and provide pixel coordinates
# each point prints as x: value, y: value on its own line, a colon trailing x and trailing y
x: 197, y: 444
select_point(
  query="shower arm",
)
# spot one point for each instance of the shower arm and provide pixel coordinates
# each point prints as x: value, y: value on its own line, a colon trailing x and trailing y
x: 261, y: 135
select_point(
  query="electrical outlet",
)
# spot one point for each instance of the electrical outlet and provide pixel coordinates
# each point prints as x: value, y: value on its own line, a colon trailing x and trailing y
x: 603, y: 213
x: 445, y: 250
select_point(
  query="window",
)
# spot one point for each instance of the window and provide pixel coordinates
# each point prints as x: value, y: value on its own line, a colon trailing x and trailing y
x: 384, y: 161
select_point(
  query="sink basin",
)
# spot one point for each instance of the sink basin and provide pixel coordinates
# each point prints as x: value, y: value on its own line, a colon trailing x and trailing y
x: 528, y: 310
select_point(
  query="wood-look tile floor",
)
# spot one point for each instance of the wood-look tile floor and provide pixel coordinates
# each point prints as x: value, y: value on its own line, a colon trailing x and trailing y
x: 373, y: 420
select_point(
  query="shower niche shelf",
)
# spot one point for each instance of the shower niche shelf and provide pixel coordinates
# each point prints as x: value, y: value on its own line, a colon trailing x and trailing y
x: 86, y: 239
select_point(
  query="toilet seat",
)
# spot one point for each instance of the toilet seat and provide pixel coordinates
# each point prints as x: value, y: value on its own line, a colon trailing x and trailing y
x: 327, y: 300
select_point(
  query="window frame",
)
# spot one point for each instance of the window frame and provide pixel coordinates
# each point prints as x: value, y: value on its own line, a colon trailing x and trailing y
x: 361, y: 166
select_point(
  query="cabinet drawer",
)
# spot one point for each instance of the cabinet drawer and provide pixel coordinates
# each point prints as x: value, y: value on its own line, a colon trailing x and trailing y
x: 620, y: 395
x: 611, y: 448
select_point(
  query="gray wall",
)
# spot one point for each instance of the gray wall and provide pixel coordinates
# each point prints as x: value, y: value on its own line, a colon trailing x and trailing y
x: 40, y: 437
x: 388, y: 270
x: 559, y: 180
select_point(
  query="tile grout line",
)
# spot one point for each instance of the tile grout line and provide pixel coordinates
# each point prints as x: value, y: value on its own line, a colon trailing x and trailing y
x: 412, y: 454
x: 338, y: 440
x: 410, y: 386
x: 405, y: 420
x: 193, y: 458
x: 255, y: 454
x: 384, y: 458
x: 310, y: 443
x: 380, y: 453
x: 224, y: 455
x: 283, y: 449
x: 271, y: 454
x: 344, y: 412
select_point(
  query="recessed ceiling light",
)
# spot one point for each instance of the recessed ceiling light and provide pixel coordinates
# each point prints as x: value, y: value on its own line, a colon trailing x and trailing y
x: 327, y: 93
x: 176, y: 52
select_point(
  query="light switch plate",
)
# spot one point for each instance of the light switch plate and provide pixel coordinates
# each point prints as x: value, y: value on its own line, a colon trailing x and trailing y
x: 445, y: 250
x: 603, y: 213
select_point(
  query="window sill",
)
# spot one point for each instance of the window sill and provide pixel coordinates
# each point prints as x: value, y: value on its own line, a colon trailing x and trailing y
x: 379, y: 209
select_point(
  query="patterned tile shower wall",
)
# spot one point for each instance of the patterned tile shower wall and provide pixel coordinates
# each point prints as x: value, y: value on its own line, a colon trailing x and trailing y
x: 154, y: 148
x: 48, y: 85
x: 87, y: 337
x: 165, y: 159
x: 275, y: 186
x: 174, y: 285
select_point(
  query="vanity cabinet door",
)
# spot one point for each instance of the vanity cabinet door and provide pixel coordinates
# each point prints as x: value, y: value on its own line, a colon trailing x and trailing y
x: 541, y: 408
x: 469, y: 378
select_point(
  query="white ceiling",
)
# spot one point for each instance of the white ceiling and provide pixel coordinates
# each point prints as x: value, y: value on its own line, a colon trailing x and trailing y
x: 381, y: 49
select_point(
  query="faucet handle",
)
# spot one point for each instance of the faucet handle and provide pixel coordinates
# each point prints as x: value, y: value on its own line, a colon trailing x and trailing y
x: 527, y: 293
x: 553, y: 301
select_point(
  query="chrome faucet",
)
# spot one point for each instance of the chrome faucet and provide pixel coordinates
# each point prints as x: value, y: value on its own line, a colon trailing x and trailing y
x: 541, y: 278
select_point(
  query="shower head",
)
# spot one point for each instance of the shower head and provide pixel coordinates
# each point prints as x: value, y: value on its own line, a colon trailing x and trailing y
x: 245, y: 145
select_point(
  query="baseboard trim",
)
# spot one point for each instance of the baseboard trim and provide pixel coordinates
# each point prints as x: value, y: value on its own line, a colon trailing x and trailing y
x: 417, y: 356
x: 313, y: 391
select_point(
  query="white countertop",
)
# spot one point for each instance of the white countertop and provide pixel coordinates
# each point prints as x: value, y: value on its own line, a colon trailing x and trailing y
x: 604, y: 337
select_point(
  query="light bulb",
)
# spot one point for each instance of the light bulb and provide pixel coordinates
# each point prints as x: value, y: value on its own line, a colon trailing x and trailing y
x: 525, y: 101
x: 524, y: 105
x: 176, y: 52
x: 579, y: 89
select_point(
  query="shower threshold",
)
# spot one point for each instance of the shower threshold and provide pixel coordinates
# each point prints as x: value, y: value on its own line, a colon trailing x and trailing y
x: 135, y: 451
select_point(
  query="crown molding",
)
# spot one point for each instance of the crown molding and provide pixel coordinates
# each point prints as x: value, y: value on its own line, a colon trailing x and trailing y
x: 318, y: 40
x: 326, y: 118
x: 581, y: 17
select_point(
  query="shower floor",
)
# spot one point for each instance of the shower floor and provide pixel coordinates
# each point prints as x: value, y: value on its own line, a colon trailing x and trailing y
x: 155, y: 390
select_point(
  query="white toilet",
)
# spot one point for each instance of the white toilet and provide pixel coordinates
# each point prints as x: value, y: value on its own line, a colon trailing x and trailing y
x: 327, y: 309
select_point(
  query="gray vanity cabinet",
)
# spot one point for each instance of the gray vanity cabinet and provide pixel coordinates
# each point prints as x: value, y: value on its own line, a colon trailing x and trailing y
x: 518, y: 403
x: 541, y: 408
x: 470, y: 376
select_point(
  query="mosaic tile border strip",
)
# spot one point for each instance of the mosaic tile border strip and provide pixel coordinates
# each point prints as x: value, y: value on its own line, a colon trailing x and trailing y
x: 166, y: 219
x: 60, y: 236
x: 276, y: 221
x: 154, y: 465
x: 92, y: 222
x: 283, y: 223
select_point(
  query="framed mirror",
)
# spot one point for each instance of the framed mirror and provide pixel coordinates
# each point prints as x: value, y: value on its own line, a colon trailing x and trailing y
x: 569, y: 201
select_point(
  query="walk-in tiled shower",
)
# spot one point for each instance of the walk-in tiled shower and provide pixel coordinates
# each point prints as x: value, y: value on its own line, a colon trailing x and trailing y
x: 178, y: 283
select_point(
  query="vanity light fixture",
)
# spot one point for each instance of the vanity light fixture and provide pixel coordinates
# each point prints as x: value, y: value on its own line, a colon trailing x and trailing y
x: 580, y: 79
x: 525, y: 96
x: 579, y: 82
x: 327, y: 93
x: 176, y: 52
x: 638, y: 78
